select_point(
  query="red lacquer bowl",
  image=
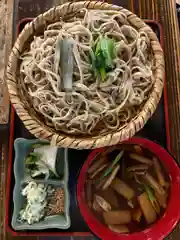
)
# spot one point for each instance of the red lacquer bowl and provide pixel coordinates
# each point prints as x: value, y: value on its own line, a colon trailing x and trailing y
x: 158, y: 230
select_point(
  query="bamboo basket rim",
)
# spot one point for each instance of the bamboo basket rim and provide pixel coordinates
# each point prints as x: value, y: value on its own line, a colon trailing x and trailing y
x: 37, y: 127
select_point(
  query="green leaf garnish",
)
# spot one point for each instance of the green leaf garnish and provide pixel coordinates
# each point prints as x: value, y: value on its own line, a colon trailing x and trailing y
x: 102, y: 56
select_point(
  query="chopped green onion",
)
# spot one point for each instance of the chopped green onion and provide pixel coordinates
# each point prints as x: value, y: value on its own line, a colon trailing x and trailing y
x: 109, y: 170
x: 152, y: 198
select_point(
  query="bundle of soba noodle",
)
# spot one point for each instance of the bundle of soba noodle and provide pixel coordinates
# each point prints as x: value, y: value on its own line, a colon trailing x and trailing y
x: 88, y: 74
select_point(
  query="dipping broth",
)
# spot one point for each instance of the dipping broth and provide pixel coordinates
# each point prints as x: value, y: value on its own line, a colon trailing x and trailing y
x: 127, y: 188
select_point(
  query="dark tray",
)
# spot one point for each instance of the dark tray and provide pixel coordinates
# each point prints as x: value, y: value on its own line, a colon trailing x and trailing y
x: 156, y: 129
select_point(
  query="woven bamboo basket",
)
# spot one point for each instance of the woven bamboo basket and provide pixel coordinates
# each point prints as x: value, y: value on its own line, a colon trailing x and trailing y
x: 29, y: 117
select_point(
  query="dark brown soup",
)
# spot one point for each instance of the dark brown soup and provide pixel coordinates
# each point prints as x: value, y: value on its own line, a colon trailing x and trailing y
x: 127, y: 188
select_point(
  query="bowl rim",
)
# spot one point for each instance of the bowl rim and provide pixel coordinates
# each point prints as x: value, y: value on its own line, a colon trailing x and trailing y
x: 161, y: 228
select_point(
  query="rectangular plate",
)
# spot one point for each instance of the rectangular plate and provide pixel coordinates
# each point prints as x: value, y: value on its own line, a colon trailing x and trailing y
x: 60, y: 221
x: 156, y: 129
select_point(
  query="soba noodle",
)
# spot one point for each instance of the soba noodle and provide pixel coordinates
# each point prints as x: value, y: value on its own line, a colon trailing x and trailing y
x: 93, y: 106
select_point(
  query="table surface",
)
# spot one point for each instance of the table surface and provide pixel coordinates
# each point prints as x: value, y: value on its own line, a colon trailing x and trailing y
x: 163, y: 11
